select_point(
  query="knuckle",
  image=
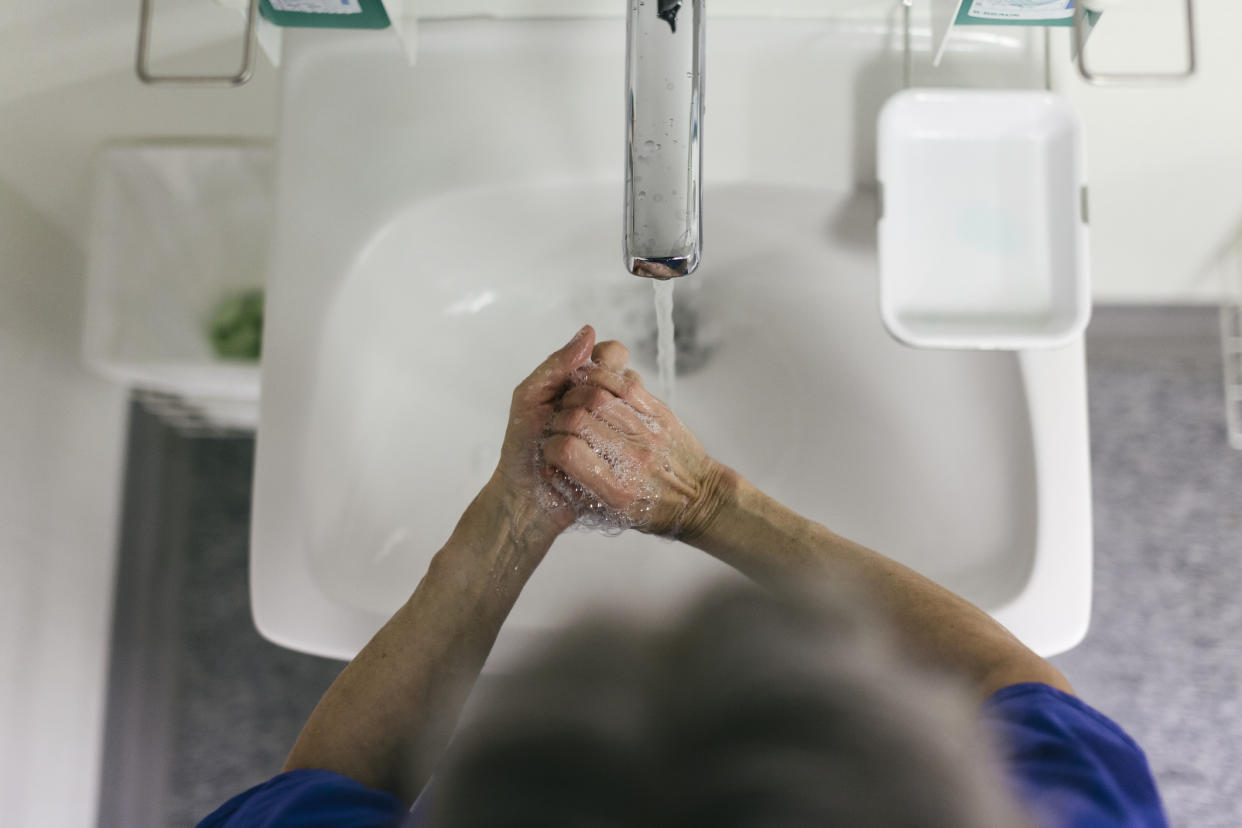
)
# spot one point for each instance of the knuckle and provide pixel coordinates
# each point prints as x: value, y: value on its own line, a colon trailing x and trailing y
x: 556, y: 450
x: 576, y: 419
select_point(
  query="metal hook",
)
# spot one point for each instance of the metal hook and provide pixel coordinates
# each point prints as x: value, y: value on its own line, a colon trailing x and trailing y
x: 143, y: 69
x: 1131, y: 78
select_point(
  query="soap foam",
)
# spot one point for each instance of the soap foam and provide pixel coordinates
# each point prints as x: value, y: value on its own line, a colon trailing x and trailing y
x: 591, y: 512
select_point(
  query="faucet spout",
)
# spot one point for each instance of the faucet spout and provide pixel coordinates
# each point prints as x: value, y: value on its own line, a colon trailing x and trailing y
x: 667, y: 12
x: 662, y: 235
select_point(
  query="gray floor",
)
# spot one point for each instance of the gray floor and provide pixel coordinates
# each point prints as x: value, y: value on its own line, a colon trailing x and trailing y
x: 200, y: 706
x: 219, y: 706
x: 1164, y: 656
x: 241, y: 700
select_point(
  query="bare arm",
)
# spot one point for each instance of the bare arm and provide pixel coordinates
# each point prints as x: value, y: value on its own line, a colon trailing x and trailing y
x: 762, y: 538
x: 715, y: 509
x: 391, y: 711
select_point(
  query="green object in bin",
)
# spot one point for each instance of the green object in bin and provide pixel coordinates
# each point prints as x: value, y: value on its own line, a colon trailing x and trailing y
x: 237, y: 327
x: 326, y: 14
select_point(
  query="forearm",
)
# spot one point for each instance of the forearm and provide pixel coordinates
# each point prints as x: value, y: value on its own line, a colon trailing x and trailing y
x: 757, y: 535
x: 390, y: 713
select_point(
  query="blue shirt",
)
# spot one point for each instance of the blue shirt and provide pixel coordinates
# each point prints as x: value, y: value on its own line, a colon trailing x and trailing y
x: 1072, y: 766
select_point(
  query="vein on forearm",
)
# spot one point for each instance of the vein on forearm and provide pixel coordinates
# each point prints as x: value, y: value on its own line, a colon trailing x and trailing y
x: 390, y: 713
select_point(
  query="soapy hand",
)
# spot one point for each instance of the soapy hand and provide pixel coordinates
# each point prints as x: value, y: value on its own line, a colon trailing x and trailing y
x: 614, y: 449
x: 534, y: 404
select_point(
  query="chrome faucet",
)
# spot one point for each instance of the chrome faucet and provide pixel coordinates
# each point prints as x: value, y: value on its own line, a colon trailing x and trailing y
x: 663, y: 157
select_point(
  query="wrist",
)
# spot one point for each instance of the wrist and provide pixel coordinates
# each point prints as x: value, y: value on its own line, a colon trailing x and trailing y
x: 518, y: 515
x: 718, y: 490
x: 498, y: 539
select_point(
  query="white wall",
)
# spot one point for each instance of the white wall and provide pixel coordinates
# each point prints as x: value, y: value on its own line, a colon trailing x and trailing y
x: 66, y: 86
x: 1164, y: 163
x: 1165, y: 170
x: 60, y: 457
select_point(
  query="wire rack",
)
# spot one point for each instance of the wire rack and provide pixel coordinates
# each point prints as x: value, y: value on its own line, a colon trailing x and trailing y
x: 1231, y: 342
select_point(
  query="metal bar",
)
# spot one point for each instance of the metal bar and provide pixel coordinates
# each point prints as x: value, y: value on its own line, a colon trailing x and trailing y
x: 907, y: 63
x: 142, y: 65
x: 1048, y: 58
x: 1231, y: 341
x: 1132, y: 78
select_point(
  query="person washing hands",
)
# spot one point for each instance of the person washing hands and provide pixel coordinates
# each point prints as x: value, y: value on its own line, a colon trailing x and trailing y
x: 843, y: 689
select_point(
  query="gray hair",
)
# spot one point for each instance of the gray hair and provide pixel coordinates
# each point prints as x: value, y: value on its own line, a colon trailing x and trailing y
x: 752, y: 711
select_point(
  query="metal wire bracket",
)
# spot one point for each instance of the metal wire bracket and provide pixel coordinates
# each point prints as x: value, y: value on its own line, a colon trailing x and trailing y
x: 907, y: 61
x: 1131, y: 78
x: 1231, y: 351
x: 1231, y: 340
x: 142, y: 65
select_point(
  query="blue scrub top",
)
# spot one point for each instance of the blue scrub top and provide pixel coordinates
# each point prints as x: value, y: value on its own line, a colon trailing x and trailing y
x: 1072, y: 766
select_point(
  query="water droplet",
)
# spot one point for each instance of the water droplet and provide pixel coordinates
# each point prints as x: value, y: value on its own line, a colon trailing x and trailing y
x: 669, y: 86
x: 643, y: 194
x: 649, y: 146
x: 658, y: 197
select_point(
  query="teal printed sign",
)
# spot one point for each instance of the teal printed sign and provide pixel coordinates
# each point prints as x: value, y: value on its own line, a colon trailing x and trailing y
x: 1020, y: 13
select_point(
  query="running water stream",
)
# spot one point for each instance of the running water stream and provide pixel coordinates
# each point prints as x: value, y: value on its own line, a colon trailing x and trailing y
x: 666, y: 352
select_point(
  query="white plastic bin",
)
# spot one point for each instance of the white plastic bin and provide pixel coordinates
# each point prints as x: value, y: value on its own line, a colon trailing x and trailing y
x: 983, y: 235
x: 176, y: 228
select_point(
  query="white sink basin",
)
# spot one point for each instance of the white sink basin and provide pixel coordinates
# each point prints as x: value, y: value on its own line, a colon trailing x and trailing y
x: 428, y: 266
